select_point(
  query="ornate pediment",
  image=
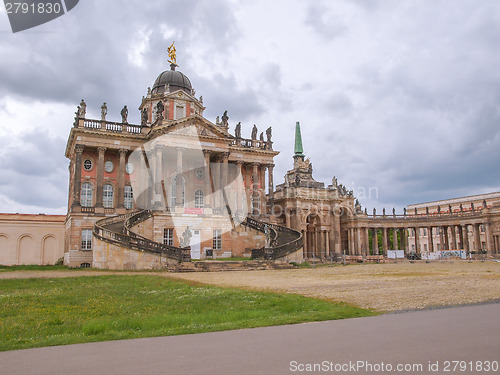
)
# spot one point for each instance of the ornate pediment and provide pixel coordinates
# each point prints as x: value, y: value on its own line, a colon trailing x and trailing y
x: 196, y: 126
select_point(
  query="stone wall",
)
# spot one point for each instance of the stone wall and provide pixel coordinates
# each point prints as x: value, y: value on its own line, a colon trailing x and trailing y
x: 114, y: 257
x: 31, y: 239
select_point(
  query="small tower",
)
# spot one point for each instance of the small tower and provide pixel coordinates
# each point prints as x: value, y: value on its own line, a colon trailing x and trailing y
x: 298, y: 157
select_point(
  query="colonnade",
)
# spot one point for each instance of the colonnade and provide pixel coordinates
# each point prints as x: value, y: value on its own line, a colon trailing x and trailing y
x: 465, y: 236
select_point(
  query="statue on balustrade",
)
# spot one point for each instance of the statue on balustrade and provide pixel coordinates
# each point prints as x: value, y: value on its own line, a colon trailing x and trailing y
x: 484, y: 204
x: 439, y: 209
x: 449, y: 208
x: 104, y: 111
x: 269, y: 134
x: 144, y: 116
x: 393, y: 211
x: 82, y: 109
x: 237, y: 130
x: 383, y: 211
x: 404, y: 211
x: 225, y: 119
x: 261, y: 137
x: 254, y: 132
x: 124, y: 113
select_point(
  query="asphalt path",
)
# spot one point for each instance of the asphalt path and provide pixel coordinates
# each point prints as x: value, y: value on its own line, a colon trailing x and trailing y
x: 415, y: 342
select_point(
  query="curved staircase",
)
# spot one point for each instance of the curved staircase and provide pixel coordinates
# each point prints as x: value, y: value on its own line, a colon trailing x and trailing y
x: 117, y: 230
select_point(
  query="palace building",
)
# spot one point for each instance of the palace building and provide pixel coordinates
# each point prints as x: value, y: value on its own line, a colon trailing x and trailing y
x: 178, y: 187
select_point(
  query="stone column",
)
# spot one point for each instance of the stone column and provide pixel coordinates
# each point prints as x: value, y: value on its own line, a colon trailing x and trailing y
x: 446, y: 239
x: 489, y: 239
x: 349, y: 241
x: 77, y: 183
x: 158, y: 176
x: 402, y: 239
x: 306, y: 245
x: 430, y: 241
x: 121, y: 178
x: 255, y: 188
x: 417, y: 240
x: 395, y: 238
x: 465, y: 238
x: 327, y: 242
x: 375, y: 241
x: 441, y: 238
x: 207, y: 195
x: 358, y: 240
x: 407, y: 245
x: 262, y: 180
x: 240, y: 189
x: 270, y: 181
x: 460, y: 238
x: 178, y: 181
x: 453, y: 237
x: 224, y: 178
x: 477, y: 238
x: 100, y: 176
x: 384, y: 240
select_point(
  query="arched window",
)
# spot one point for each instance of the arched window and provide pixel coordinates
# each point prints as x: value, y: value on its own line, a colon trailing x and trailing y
x: 107, y: 198
x: 86, y: 195
x: 198, y: 199
x: 173, y: 191
x: 129, y: 197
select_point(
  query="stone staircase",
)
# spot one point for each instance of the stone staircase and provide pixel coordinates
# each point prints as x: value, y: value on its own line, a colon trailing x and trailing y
x: 117, y: 230
x: 230, y: 265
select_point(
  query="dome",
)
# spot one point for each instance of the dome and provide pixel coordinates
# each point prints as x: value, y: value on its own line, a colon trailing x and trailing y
x: 172, y: 79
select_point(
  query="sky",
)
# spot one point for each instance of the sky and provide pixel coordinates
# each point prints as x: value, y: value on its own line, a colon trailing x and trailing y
x: 399, y: 98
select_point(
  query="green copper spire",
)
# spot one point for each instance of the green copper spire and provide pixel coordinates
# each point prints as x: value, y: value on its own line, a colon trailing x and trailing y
x: 298, y: 141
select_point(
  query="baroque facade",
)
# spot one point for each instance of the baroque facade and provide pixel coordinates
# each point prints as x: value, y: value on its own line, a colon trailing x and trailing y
x: 178, y: 187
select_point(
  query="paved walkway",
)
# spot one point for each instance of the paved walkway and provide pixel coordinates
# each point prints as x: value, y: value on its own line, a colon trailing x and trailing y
x: 469, y: 333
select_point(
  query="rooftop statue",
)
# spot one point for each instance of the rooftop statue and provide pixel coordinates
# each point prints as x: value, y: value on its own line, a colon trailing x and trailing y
x: 104, y: 111
x: 269, y: 134
x: 124, y: 114
x: 82, y: 109
x: 254, y: 132
x: 225, y: 119
x: 172, y: 54
x: 237, y: 130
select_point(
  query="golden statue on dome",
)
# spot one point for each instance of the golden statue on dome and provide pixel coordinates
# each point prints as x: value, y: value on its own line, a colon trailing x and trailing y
x: 172, y: 55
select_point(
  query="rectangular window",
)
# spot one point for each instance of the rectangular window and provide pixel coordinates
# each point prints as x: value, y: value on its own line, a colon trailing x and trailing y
x: 129, y: 197
x: 86, y: 239
x: 483, y: 228
x: 425, y: 247
x: 168, y: 236
x: 217, y: 239
x: 180, y: 112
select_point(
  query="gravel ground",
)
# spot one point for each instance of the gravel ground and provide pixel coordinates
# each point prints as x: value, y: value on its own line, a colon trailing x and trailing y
x: 383, y: 287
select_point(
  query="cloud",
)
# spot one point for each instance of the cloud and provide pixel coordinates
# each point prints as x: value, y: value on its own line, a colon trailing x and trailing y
x: 400, y: 95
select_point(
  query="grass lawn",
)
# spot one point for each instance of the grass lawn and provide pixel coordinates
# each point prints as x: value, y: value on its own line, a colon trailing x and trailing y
x: 45, y: 312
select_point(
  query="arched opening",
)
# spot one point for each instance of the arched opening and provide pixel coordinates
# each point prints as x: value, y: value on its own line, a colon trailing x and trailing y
x: 4, y: 250
x: 26, y: 251
x: 49, y: 250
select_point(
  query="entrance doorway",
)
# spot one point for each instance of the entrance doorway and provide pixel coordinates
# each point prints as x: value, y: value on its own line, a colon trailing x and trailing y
x: 195, y: 244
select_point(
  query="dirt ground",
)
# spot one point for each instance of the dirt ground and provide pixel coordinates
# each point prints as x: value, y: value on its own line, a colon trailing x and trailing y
x: 383, y: 287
